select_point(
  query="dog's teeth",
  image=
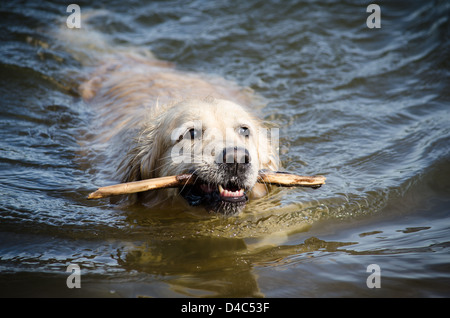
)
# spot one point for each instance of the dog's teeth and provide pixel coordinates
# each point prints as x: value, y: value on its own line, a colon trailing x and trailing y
x: 227, y: 193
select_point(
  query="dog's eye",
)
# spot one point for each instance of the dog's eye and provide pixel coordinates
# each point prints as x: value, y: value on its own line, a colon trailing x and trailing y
x: 244, y: 131
x: 192, y: 134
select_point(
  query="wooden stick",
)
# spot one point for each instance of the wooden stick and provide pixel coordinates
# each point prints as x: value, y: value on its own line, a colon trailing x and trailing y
x: 281, y: 179
x: 143, y: 185
x: 284, y: 179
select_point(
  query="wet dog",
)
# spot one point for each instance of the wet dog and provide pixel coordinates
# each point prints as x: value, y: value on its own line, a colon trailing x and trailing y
x: 153, y: 120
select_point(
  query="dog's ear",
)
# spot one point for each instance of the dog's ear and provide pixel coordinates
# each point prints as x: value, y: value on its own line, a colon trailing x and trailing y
x: 141, y: 162
x: 129, y: 169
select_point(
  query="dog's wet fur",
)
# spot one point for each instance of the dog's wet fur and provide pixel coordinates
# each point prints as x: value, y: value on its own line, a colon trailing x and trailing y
x: 145, y: 108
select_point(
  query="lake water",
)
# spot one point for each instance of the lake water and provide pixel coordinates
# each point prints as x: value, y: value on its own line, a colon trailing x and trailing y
x: 367, y: 108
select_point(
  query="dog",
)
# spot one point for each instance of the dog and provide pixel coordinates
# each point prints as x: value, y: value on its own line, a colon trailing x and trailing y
x: 154, y: 120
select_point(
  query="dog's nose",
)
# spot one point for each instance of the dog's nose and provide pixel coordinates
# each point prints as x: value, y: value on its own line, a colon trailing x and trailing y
x: 236, y: 155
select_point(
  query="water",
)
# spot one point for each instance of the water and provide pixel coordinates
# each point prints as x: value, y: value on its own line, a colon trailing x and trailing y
x: 367, y: 108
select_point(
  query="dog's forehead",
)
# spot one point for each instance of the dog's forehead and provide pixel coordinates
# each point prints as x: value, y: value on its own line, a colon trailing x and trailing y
x: 215, y: 113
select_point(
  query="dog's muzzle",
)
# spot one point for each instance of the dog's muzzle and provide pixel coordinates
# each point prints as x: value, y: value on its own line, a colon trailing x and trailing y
x: 227, y: 196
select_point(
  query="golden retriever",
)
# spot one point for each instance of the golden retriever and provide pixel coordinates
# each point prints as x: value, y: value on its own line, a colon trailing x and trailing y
x: 155, y: 120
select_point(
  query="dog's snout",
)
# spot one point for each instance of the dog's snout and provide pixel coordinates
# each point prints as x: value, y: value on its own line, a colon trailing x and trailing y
x: 235, y: 155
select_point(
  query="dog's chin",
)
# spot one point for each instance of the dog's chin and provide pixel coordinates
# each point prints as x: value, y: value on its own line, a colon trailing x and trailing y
x: 229, y: 198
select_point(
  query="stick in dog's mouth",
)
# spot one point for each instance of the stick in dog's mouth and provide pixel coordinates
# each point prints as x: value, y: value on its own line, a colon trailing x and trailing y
x: 281, y: 179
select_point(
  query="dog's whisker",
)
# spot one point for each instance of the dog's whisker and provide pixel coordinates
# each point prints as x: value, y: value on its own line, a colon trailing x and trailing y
x: 192, y: 176
x: 266, y: 186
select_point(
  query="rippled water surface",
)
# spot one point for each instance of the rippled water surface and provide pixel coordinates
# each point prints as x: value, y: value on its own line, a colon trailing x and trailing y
x: 367, y: 108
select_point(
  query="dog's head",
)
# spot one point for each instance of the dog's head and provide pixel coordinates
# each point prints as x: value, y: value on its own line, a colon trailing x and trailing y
x: 218, y: 141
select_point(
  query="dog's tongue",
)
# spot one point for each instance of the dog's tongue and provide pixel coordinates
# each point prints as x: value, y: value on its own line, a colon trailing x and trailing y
x: 230, y: 193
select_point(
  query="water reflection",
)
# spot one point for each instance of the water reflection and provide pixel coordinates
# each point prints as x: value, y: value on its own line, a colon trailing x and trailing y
x: 216, y: 267
x: 213, y: 265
